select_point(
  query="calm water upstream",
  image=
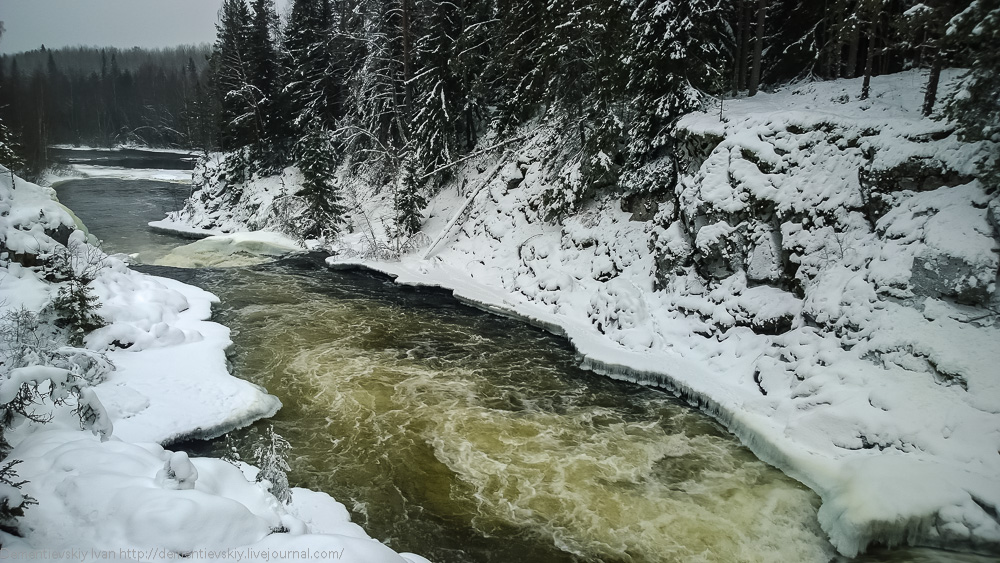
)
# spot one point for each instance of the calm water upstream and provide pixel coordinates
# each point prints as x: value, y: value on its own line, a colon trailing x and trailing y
x: 471, y: 438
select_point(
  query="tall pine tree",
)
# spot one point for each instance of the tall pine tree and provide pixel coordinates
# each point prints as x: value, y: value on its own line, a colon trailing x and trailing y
x: 324, y: 210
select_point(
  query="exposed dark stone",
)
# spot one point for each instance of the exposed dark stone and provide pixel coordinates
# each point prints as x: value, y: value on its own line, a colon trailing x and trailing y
x: 512, y: 176
x: 26, y: 259
x: 723, y: 257
x: 60, y: 234
x: 693, y: 150
x: 644, y: 207
x: 993, y: 214
x: 914, y: 174
x: 940, y: 275
x: 772, y: 325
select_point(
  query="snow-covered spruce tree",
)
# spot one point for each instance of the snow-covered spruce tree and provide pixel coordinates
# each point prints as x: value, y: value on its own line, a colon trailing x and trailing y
x: 263, y: 75
x: 511, y: 74
x: 76, y: 308
x: 9, y: 157
x: 975, y: 104
x: 237, y: 118
x: 408, y: 200
x: 436, y: 91
x: 247, y: 82
x: 579, y: 56
x: 376, y: 125
x: 451, y: 49
x: 673, y: 54
x: 314, y: 53
x: 324, y: 213
x: 270, y: 454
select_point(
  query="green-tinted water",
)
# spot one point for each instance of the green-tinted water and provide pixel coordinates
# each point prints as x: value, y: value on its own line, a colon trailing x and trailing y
x: 464, y: 437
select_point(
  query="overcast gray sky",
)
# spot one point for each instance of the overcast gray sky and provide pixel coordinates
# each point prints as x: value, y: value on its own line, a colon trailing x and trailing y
x: 108, y: 23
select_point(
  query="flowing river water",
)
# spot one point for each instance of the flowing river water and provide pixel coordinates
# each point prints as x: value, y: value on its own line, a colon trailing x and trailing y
x: 466, y: 437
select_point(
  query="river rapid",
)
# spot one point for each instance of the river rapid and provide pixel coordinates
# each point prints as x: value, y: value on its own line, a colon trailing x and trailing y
x: 466, y: 437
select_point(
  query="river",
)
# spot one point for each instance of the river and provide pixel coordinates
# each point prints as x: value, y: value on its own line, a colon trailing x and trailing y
x: 465, y: 437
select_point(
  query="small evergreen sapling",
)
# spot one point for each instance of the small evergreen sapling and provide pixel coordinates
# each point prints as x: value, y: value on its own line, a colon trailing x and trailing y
x: 268, y: 451
x: 75, y: 305
x: 12, y: 501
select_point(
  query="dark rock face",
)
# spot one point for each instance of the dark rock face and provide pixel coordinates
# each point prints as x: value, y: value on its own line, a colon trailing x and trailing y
x: 60, y: 234
x: 940, y: 275
x: 914, y: 174
x: 643, y: 207
x: 993, y: 214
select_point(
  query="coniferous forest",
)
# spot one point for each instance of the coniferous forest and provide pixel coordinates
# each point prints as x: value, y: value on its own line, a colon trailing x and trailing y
x: 103, y: 97
x: 404, y: 87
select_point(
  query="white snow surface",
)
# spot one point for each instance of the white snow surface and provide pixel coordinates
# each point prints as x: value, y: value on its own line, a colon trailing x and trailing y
x: 124, y: 494
x: 83, y: 171
x: 121, y: 147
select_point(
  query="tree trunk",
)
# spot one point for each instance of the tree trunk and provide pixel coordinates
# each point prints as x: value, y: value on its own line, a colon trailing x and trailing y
x: 875, y: 16
x: 744, y: 42
x: 834, y: 16
x: 405, y: 24
x: 738, y: 53
x: 936, y: 53
x: 851, y: 70
x: 758, y: 47
x: 930, y: 93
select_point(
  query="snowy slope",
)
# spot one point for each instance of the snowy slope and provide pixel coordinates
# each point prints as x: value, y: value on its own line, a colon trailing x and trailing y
x: 162, y: 378
x: 821, y: 278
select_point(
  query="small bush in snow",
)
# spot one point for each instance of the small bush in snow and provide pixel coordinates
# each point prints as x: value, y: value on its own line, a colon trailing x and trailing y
x: 268, y: 451
x: 12, y: 502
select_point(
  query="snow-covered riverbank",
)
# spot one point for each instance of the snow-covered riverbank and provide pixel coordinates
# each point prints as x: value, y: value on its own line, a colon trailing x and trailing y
x: 821, y: 277
x: 155, y: 374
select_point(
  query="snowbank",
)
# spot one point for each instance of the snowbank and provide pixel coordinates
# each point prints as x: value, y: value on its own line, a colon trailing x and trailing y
x: 264, y: 204
x: 143, y: 503
x: 83, y: 171
x: 117, y: 493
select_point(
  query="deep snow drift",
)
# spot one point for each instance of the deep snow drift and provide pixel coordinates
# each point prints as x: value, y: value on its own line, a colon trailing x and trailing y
x: 821, y: 277
x: 155, y: 374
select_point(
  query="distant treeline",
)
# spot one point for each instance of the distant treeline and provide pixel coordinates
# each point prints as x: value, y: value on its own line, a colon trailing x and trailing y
x: 103, y: 97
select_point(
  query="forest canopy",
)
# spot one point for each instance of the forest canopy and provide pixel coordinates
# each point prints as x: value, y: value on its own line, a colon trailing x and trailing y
x: 419, y: 82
